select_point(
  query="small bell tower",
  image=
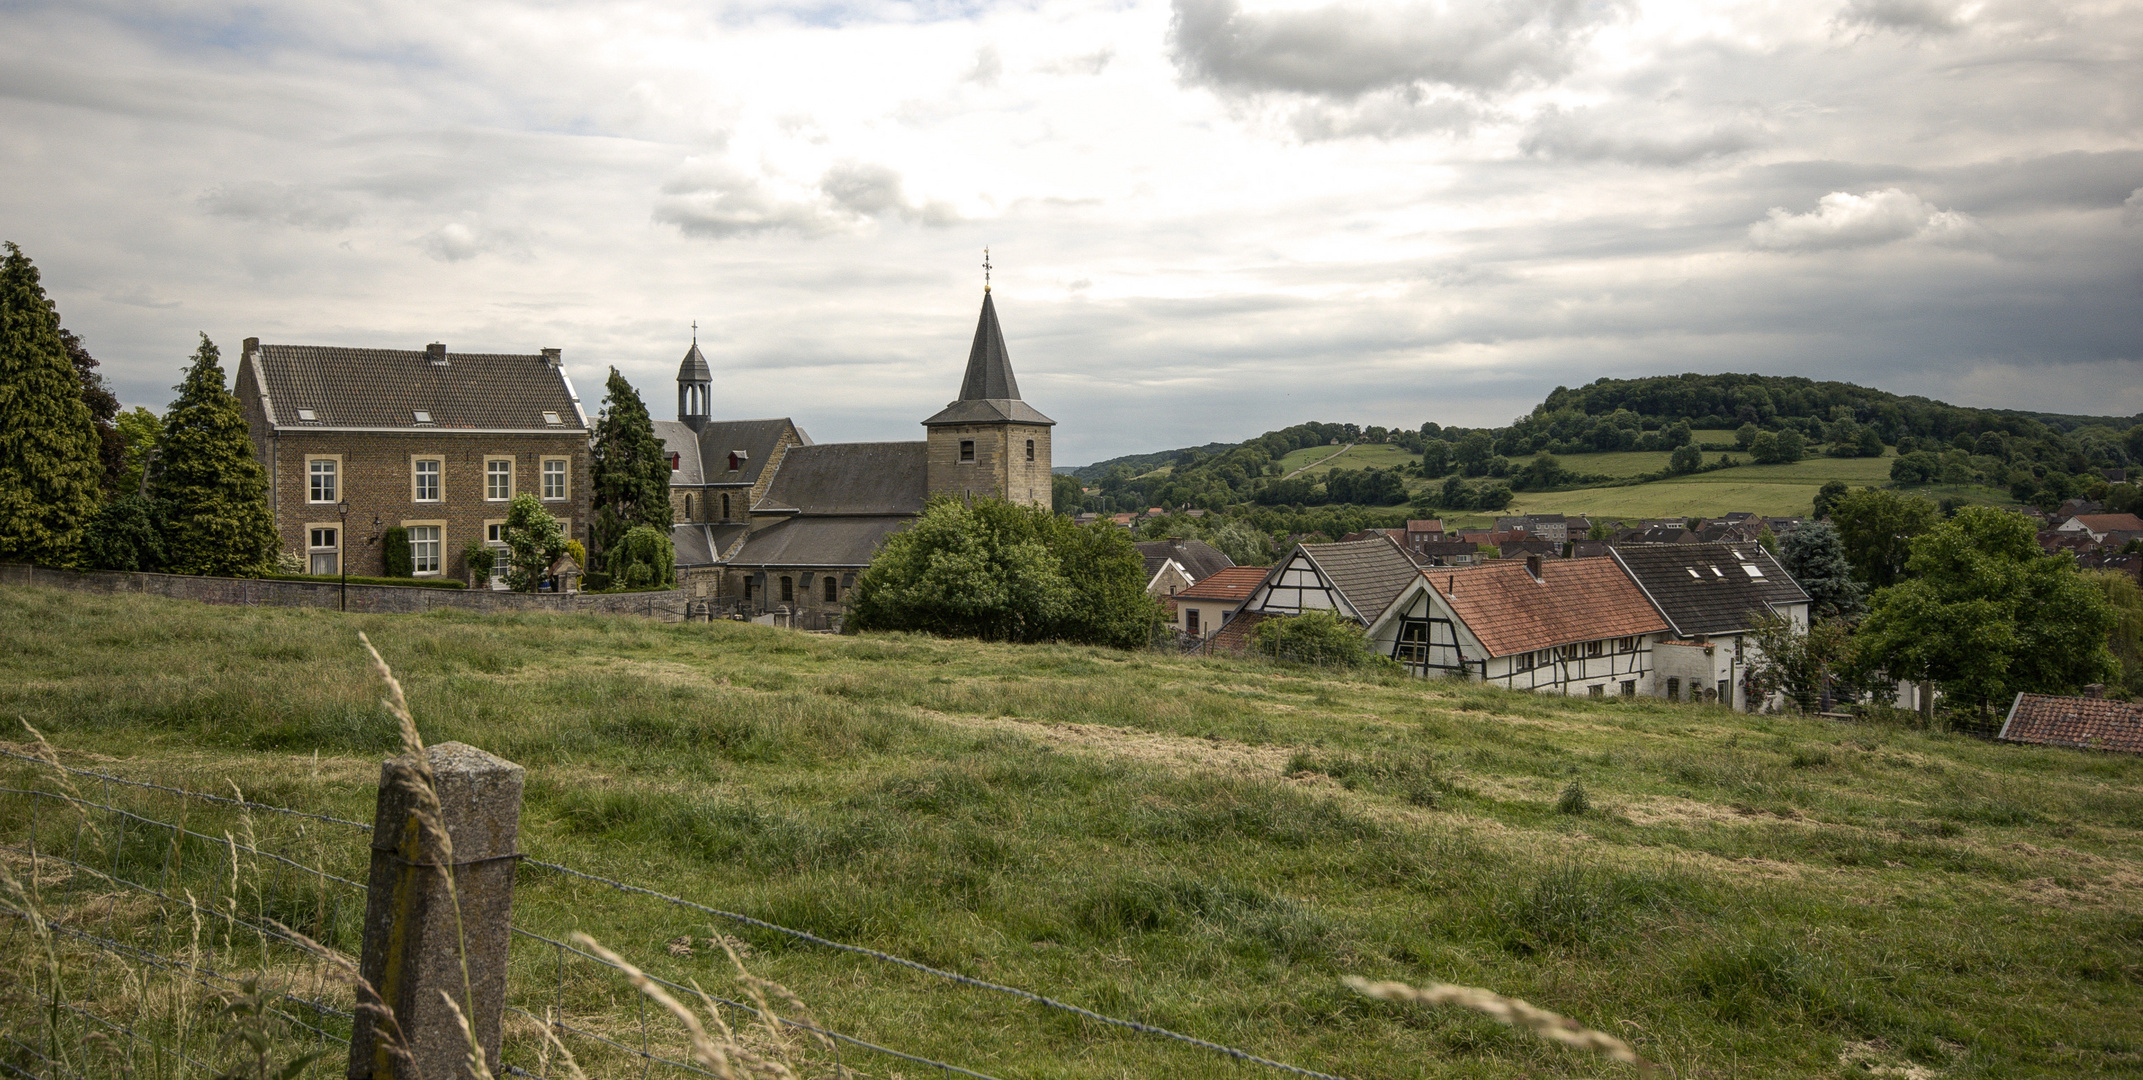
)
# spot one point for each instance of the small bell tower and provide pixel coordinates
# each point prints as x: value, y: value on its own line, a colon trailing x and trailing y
x: 695, y: 387
x: 989, y: 443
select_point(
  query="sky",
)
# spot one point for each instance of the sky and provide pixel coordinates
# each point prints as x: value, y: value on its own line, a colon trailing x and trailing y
x: 1208, y: 218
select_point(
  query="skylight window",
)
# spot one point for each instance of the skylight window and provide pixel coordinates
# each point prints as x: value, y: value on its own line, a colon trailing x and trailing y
x: 423, y: 417
x: 306, y: 414
x: 1752, y: 569
x: 1692, y: 571
x: 552, y: 418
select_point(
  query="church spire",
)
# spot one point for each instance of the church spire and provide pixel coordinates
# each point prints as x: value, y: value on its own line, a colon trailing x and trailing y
x: 989, y: 367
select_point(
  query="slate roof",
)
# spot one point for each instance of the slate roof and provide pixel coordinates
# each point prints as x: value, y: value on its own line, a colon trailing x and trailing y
x: 757, y: 438
x: 1704, y: 588
x: 819, y: 541
x: 385, y: 388
x: 1200, y: 559
x: 988, y: 393
x: 684, y: 442
x: 848, y: 479
x: 1369, y: 573
x: 1573, y: 600
x: 694, y: 368
x: 1231, y: 585
x: 704, y: 544
x: 2082, y: 723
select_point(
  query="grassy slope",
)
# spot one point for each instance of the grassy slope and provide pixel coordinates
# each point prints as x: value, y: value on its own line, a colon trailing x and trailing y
x: 1204, y: 845
x: 1315, y: 461
x: 1770, y: 490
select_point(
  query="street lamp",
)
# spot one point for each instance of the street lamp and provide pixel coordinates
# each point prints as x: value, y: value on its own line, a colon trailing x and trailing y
x: 342, y: 547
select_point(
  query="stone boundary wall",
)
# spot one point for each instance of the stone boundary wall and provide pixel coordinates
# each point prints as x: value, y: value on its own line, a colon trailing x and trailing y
x: 668, y: 605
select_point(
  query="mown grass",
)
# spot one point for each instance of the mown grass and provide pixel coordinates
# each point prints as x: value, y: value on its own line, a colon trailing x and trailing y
x: 1205, y: 845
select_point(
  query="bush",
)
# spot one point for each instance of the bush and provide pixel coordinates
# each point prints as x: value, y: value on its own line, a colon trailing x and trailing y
x: 1315, y: 637
x: 535, y: 539
x: 127, y: 534
x: 1573, y: 800
x: 395, y: 553
x: 480, y: 559
x: 643, y: 557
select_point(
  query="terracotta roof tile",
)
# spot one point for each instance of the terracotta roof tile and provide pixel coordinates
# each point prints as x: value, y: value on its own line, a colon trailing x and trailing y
x: 1574, y: 600
x: 2083, y: 723
x: 1233, y: 584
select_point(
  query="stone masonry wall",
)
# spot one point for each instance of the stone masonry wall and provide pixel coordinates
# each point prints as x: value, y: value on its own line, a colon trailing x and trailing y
x: 1000, y: 467
x: 665, y: 606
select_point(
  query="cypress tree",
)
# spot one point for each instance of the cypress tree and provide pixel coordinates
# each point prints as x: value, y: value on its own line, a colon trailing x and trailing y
x: 214, y: 488
x: 632, y: 470
x: 49, y: 469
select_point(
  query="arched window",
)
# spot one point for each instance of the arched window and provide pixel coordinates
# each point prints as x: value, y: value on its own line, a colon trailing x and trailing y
x: 833, y: 589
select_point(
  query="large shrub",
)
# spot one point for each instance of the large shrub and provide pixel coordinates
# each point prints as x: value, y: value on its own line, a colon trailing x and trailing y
x: 1313, y: 637
x: 127, y: 534
x: 643, y: 557
x: 395, y: 556
x: 534, y: 539
x: 49, y: 467
x: 1004, y: 572
x: 205, y: 472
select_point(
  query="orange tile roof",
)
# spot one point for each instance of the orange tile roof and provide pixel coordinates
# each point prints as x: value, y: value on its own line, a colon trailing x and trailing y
x: 1234, y: 584
x: 2099, y: 523
x: 1576, y: 600
x: 2084, y: 723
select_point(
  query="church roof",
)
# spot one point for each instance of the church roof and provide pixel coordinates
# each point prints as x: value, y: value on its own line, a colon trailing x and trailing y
x: 705, y: 544
x: 850, y: 478
x: 694, y: 369
x: 989, y: 393
x: 819, y: 542
x: 757, y: 439
x: 679, y: 438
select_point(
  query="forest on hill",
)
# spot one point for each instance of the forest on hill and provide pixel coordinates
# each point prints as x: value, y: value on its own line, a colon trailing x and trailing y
x: 1703, y: 422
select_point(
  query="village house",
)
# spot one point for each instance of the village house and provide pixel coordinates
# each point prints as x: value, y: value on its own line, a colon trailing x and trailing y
x: 1713, y: 597
x: 2089, y: 722
x: 356, y: 441
x: 769, y: 523
x: 1175, y: 564
x: 1567, y: 626
x: 2099, y: 527
x: 1355, y: 580
x: 1204, y: 608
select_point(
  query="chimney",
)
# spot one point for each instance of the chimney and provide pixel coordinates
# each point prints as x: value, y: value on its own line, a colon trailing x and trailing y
x: 554, y: 357
x: 1175, y: 543
x: 1532, y: 566
x: 2095, y: 691
x: 252, y: 346
x: 437, y: 353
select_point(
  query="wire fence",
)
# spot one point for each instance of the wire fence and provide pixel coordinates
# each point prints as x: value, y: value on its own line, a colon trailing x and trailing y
x: 117, y: 897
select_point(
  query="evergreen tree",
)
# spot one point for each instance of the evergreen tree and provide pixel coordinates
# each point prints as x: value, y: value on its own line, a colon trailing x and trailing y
x: 214, y: 488
x: 48, y: 445
x: 632, y: 470
x: 127, y: 534
x: 103, y: 410
x: 1815, y: 556
x: 138, y: 429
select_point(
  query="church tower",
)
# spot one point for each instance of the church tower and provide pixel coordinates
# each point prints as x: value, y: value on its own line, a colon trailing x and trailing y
x: 695, y: 389
x: 989, y: 442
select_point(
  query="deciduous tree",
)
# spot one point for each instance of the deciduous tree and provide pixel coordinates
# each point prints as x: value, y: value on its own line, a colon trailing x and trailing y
x: 49, y: 468
x: 535, y: 540
x: 1877, y: 528
x: 217, y: 521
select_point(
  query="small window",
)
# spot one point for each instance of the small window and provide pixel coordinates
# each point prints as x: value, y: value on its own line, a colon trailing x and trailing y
x: 1595, y: 648
x: 322, y: 481
x: 324, y: 554
x: 1752, y: 569
x: 554, y: 480
x: 1190, y: 621
x: 494, y: 533
x: 833, y: 589
x: 737, y: 458
x: 1597, y: 690
x: 306, y: 414
x: 688, y: 506
x: 1030, y: 449
x: 1629, y: 688
x: 552, y: 418
x: 725, y: 508
x: 788, y: 590
x: 498, y: 480
x: 967, y: 449
x: 675, y: 458
x: 424, y: 547
x: 1674, y: 689
x: 422, y: 416
x: 748, y: 583
x: 427, y: 481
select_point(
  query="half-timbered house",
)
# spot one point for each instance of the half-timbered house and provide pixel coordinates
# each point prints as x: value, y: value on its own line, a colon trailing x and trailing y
x: 1354, y: 579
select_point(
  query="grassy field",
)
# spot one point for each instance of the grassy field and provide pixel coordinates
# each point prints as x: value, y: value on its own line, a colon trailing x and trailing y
x: 1769, y: 490
x: 1205, y: 845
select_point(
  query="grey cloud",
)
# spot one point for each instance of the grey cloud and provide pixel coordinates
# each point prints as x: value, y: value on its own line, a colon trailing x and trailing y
x: 1844, y: 220
x: 2132, y: 209
x: 2078, y: 179
x: 718, y: 201
x: 1343, y: 50
x: 282, y: 204
x: 139, y: 296
x: 1384, y: 115
x: 459, y: 241
x: 1596, y: 135
x: 874, y: 190
x: 1917, y: 16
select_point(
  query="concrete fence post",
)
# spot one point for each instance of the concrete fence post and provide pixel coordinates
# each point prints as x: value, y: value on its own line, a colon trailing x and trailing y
x: 416, y: 941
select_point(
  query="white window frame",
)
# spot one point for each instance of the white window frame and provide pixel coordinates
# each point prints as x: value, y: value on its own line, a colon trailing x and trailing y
x: 501, y: 555
x: 417, y: 462
x: 565, y: 479
x: 416, y: 561
x: 314, y: 550
x: 490, y: 473
x: 313, y: 473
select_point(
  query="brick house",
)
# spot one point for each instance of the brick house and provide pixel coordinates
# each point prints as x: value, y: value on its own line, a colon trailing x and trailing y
x: 435, y: 442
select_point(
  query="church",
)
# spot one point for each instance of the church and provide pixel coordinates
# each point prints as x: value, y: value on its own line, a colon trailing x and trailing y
x: 768, y: 522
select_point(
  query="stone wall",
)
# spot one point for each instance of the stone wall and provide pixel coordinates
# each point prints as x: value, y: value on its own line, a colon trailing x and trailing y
x: 668, y: 605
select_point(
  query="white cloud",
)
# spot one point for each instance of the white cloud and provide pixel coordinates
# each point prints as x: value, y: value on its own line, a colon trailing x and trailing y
x: 1843, y: 220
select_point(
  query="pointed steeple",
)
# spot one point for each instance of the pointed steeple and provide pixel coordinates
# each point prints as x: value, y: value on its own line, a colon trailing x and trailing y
x: 989, y: 366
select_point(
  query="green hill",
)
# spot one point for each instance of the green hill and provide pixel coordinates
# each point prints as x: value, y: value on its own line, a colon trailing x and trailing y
x: 1209, y: 846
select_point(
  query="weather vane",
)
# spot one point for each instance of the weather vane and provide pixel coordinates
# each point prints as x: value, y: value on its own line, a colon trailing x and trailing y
x: 985, y: 269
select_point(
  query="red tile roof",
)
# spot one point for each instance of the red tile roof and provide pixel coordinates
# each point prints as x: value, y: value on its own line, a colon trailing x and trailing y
x: 2083, y: 723
x: 1233, y: 585
x: 1426, y: 525
x: 1575, y: 600
x: 2099, y: 523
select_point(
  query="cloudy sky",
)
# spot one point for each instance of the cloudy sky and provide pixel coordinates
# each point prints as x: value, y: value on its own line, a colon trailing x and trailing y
x: 1209, y: 217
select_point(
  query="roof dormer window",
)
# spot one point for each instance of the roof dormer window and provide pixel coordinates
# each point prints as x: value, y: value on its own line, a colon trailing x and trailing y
x: 674, y: 459
x: 422, y: 416
x: 307, y: 415
x: 737, y: 458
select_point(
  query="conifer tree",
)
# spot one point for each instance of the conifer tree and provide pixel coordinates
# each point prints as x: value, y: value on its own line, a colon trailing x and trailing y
x: 632, y: 470
x: 214, y: 489
x: 48, y: 448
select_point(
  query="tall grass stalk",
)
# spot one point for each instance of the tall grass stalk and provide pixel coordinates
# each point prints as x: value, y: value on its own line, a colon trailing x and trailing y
x: 1511, y: 1011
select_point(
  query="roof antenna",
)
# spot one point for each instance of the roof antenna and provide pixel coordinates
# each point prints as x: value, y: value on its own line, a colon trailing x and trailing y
x: 985, y: 269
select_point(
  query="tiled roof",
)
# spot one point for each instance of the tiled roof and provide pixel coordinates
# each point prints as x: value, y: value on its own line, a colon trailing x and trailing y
x: 1574, y: 600
x: 681, y: 440
x: 1425, y: 525
x: 386, y: 388
x: 1198, y: 558
x: 756, y: 438
x: 850, y: 478
x: 1369, y: 573
x: 1231, y: 585
x: 2098, y: 523
x: 2083, y: 723
x: 819, y: 541
x: 1707, y: 588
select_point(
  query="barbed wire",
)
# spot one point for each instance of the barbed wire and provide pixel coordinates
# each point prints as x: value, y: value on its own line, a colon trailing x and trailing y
x: 218, y: 840
x: 225, y: 799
